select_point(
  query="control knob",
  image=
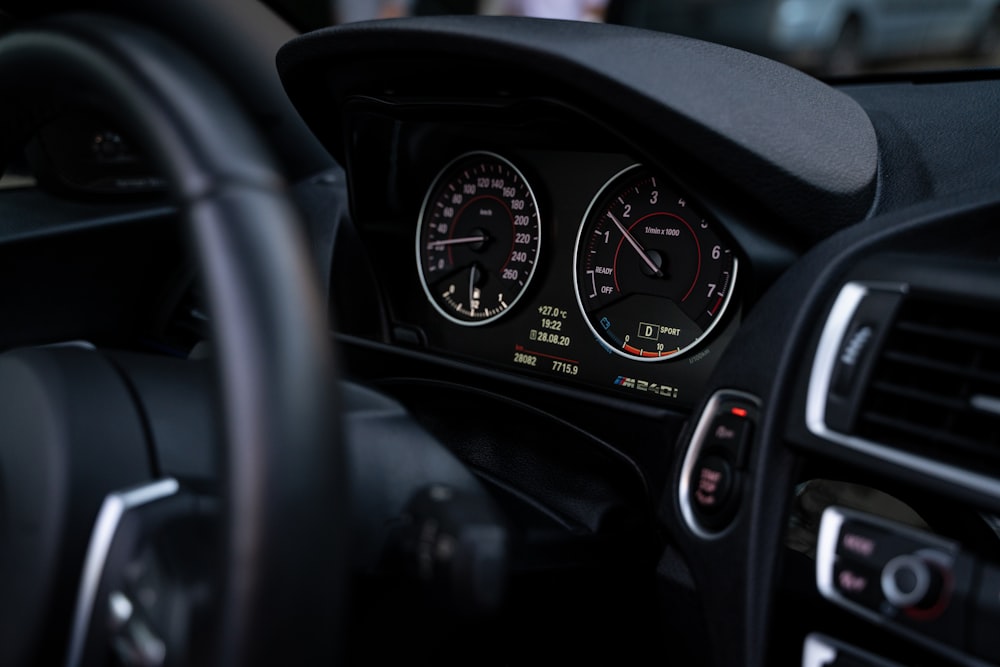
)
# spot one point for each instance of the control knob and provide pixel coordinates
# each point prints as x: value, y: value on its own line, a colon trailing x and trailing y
x: 914, y: 583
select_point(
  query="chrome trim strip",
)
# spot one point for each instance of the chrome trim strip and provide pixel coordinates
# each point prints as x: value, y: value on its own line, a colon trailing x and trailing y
x: 694, y: 451
x: 850, y: 297
x: 985, y: 403
x: 109, y: 517
x: 820, y: 651
x: 816, y: 652
x: 826, y: 553
x: 79, y: 344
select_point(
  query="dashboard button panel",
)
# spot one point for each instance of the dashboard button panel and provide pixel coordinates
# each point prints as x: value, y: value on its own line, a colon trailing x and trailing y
x: 716, y: 462
x: 915, y: 583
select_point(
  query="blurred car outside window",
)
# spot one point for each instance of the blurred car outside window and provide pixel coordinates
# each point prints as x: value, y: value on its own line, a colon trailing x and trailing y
x: 823, y: 37
x: 574, y: 10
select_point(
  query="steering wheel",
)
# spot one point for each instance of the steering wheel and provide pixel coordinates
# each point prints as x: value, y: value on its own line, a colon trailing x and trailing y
x: 68, y: 417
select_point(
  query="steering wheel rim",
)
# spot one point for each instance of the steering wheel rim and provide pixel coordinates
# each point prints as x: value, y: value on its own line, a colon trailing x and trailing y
x: 283, y: 510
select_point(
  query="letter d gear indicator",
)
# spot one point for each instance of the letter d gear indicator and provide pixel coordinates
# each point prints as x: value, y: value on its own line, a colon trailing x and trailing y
x: 652, y: 276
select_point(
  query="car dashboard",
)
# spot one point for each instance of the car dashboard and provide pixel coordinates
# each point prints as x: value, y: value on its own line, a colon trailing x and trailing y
x: 452, y: 297
x: 775, y: 233
x: 716, y: 336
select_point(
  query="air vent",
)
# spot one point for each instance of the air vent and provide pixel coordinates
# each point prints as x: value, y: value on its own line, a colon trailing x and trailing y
x: 934, y: 390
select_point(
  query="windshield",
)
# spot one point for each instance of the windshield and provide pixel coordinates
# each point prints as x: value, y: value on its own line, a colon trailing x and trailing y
x: 822, y: 37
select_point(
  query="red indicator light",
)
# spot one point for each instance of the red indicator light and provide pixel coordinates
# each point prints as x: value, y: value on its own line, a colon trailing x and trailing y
x: 739, y: 412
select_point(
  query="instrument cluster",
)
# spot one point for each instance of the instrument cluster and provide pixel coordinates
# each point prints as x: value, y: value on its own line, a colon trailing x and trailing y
x: 514, y: 247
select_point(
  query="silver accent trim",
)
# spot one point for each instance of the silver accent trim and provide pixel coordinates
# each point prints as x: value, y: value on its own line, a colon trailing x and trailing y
x: 850, y: 297
x: 420, y: 226
x: 694, y: 452
x: 109, y: 517
x: 120, y: 608
x: 824, y: 362
x: 79, y: 344
x: 826, y: 552
x: 819, y: 651
x: 816, y: 652
x: 985, y: 403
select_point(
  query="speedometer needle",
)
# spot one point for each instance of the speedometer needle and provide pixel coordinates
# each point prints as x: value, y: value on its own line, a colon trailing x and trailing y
x: 635, y: 246
x: 459, y: 241
x: 472, y: 289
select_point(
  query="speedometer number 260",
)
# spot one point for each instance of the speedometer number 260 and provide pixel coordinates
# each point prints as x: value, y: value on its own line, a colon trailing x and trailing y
x: 478, y: 239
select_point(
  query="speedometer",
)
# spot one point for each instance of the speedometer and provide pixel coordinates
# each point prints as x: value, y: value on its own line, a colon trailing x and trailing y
x: 652, y: 276
x: 478, y: 239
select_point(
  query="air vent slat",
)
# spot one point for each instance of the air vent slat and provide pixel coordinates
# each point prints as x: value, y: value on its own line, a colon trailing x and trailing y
x: 945, y: 367
x: 953, y: 334
x: 928, y: 399
x: 937, y: 439
x: 939, y: 360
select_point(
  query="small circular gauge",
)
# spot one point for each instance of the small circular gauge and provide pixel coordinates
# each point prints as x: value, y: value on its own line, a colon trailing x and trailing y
x: 477, y: 239
x: 652, y: 276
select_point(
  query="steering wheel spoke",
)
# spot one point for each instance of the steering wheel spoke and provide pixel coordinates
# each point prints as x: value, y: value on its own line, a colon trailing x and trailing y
x: 145, y: 577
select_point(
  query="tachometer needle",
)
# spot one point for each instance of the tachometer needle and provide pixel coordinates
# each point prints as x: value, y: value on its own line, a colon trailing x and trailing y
x: 635, y: 246
x: 459, y: 241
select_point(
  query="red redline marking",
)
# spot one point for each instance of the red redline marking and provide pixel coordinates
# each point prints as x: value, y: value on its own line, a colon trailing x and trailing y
x: 717, y: 304
x: 521, y: 348
x: 642, y: 353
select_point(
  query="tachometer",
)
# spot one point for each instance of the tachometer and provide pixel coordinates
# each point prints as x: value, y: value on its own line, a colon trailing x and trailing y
x: 652, y: 276
x: 478, y: 239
